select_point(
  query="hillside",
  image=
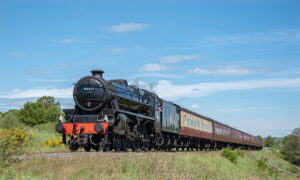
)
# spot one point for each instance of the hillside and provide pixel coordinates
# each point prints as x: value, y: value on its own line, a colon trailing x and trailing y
x: 153, y: 165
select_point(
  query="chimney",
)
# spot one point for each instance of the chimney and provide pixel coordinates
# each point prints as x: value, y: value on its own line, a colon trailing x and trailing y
x: 97, y: 73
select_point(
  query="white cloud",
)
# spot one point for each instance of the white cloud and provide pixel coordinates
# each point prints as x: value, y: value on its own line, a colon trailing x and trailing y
x: 39, y: 92
x: 7, y: 104
x: 34, y: 71
x: 154, y: 67
x: 227, y: 70
x: 177, y: 58
x: 50, y: 80
x: 161, y: 75
x: 127, y: 27
x: 67, y: 40
x: 195, y: 106
x: 17, y: 54
x: 114, y: 50
x: 288, y: 35
x: 165, y: 89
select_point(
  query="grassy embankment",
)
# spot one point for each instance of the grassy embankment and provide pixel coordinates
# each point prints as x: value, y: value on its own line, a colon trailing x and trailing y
x: 154, y: 165
x: 39, y: 134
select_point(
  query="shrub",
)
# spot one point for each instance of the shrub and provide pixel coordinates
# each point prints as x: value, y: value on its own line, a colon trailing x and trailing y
x: 240, y: 152
x: 269, y: 141
x: 261, y: 163
x: 44, y: 110
x: 10, y: 119
x: 54, y: 142
x: 229, y: 154
x: 12, y: 143
x: 291, y: 147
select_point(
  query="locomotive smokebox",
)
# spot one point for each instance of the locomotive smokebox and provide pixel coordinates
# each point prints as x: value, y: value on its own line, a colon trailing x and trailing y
x: 97, y: 73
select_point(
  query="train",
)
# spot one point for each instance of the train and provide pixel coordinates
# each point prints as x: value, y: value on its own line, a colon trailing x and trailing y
x: 110, y: 115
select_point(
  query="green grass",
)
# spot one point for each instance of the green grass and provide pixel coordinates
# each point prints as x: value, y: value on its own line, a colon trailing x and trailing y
x: 39, y: 134
x: 274, y: 158
x: 154, y: 165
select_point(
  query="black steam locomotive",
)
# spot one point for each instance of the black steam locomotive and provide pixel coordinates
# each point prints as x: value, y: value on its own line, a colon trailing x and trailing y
x: 112, y: 115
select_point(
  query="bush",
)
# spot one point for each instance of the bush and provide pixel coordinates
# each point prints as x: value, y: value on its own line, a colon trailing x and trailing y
x: 12, y: 143
x: 240, y: 152
x: 229, y: 154
x: 54, y: 142
x: 269, y: 141
x: 291, y: 147
x: 261, y: 164
x: 44, y: 110
x: 10, y: 119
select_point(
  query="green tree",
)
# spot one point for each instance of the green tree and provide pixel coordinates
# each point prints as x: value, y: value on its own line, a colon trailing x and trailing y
x: 10, y: 119
x: 291, y: 147
x: 269, y: 141
x: 44, y: 110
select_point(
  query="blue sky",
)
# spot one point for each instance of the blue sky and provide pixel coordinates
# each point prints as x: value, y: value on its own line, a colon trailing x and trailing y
x: 235, y: 61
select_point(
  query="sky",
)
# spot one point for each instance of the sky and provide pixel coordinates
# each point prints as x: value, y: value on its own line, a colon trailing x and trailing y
x: 237, y: 62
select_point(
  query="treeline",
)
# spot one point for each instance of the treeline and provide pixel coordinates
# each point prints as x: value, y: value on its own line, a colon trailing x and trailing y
x: 288, y: 146
x: 44, y: 110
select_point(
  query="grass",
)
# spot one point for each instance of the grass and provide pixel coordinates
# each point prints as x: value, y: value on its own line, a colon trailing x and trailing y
x: 154, y: 165
x: 39, y: 134
x: 274, y: 159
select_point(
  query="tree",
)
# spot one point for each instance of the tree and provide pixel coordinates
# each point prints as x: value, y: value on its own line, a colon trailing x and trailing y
x: 44, y: 110
x: 269, y: 141
x: 291, y: 147
x: 10, y: 119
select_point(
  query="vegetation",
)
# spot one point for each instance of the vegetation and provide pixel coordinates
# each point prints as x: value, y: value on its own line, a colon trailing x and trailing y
x: 53, y: 142
x: 44, y: 110
x: 31, y: 129
x: 291, y: 147
x: 10, y: 119
x: 156, y: 165
x: 269, y: 141
x: 42, y: 114
x: 229, y: 154
x: 12, y: 143
x: 240, y: 152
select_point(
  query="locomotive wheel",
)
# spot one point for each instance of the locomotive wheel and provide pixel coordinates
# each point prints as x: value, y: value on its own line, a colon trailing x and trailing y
x: 125, y: 144
x: 73, y: 147
x: 136, y: 146
x: 96, y: 148
x: 106, y: 147
x: 117, y: 143
x: 72, y: 144
x: 87, y: 147
x: 146, y: 145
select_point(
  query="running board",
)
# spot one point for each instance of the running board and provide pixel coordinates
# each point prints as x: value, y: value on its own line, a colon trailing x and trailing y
x: 134, y: 114
x: 115, y: 104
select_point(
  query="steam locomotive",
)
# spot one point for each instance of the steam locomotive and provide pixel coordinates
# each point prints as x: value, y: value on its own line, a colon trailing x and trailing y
x: 112, y: 115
